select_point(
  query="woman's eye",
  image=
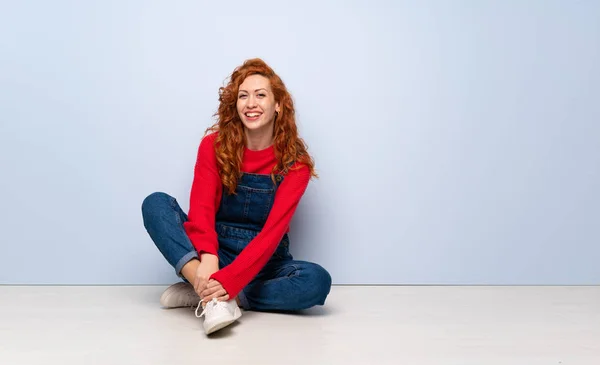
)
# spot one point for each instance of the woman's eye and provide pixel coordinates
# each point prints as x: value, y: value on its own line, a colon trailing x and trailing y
x: 261, y: 95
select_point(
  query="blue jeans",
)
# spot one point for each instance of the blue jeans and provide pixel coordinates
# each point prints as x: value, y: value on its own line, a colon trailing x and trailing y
x: 284, y: 284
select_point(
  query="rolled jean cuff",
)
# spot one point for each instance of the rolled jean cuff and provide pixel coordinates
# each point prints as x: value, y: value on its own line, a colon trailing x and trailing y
x: 243, y: 300
x: 184, y: 260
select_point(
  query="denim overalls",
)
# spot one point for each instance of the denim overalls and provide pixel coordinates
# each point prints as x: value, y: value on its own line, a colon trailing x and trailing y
x: 284, y: 284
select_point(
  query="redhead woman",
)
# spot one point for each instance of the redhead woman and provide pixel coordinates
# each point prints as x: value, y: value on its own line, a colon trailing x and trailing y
x: 232, y: 248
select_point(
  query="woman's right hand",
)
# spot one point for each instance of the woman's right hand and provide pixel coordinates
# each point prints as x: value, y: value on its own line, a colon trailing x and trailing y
x: 209, y: 264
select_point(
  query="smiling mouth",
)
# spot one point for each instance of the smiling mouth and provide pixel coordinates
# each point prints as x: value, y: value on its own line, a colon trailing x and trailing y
x: 253, y: 115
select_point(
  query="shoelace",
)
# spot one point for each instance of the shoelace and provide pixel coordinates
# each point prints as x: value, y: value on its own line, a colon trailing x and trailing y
x: 213, y: 304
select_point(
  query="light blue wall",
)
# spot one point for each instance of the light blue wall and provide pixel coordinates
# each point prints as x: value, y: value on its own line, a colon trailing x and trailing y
x: 457, y: 141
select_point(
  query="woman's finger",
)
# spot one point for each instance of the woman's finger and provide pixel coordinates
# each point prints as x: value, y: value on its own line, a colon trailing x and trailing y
x: 212, y: 283
x: 199, y: 285
x: 223, y: 298
x: 203, y: 284
x: 209, y: 291
x: 218, y: 294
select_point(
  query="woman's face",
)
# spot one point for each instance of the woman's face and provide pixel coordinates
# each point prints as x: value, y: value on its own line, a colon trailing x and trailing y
x: 256, y: 104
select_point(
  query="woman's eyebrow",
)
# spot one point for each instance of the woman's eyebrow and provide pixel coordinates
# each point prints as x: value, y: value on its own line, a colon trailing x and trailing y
x: 254, y: 90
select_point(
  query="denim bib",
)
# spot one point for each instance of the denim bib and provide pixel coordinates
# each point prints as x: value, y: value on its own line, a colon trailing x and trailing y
x: 241, y: 216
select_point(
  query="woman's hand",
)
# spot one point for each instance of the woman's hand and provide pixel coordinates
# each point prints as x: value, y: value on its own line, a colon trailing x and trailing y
x: 214, y: 289
x: 209, y: 265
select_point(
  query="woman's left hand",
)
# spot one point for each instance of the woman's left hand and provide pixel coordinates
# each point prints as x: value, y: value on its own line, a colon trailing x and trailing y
x: 214, y: 289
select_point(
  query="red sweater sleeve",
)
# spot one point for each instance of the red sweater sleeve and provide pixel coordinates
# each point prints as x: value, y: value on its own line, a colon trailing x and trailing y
x: 204, y: 199
x: 257, y: 253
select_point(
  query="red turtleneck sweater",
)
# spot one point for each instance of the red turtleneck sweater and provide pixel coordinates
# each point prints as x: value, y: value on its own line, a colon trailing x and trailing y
x: 205, y: 199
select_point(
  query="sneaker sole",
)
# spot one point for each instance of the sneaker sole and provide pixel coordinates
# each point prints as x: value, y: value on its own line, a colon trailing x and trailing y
x: 218, y: 326
x: 164, y: 298
x: 222, y: 322
x: 237, y: 314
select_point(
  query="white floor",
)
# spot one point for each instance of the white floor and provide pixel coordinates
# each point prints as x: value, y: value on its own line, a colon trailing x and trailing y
x: 358, y: 325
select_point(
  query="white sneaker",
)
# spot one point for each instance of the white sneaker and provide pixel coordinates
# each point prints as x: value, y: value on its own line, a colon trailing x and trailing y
x: 178, y: 295
x: 219, y: 314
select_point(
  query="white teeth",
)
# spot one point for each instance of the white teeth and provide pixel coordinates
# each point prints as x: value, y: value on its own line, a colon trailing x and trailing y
x: 252, y: 115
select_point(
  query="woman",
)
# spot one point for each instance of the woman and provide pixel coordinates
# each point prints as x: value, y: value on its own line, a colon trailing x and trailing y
x: 251, y: 171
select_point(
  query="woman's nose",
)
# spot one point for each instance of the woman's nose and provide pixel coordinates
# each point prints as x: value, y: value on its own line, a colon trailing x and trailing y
x: 251, y: 101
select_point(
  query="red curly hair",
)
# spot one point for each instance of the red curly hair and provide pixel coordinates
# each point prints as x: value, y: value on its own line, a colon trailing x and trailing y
x: 231, y: 140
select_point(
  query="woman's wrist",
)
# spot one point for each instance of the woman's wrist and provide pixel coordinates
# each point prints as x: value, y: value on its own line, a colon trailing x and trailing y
x: 209, y: 257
